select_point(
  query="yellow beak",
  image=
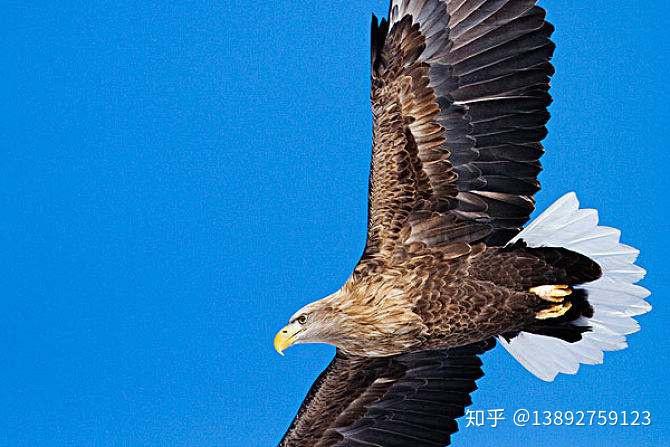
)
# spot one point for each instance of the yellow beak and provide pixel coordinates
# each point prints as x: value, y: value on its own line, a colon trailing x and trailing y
x: 286, y: 337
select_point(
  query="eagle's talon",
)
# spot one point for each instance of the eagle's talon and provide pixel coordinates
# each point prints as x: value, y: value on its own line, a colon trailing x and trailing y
x: 552, y: 293
x: 554, y: 312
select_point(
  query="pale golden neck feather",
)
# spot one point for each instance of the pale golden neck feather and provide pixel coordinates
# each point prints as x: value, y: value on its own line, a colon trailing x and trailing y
x: 371, y: 319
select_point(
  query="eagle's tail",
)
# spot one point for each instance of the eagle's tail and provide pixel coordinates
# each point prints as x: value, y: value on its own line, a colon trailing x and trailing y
x: 614, y: 297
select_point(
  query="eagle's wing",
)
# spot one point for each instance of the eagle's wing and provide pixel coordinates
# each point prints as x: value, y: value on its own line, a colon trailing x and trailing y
x: 459, y: 98
x: 411, y: 399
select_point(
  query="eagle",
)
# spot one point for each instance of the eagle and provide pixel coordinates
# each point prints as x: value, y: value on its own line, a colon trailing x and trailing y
x: 459, y: 92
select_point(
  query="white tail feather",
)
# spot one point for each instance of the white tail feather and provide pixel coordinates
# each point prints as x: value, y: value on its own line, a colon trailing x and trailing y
x: 614, y: 297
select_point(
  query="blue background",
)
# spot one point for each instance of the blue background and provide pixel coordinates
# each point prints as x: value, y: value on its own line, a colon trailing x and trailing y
x: 177, y: 179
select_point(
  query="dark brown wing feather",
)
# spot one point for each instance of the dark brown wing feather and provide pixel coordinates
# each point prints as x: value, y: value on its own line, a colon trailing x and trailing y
x: 460, y: 97
x: 412, y: 399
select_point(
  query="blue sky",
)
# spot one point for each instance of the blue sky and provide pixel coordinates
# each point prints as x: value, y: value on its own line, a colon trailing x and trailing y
x: 178, y: 179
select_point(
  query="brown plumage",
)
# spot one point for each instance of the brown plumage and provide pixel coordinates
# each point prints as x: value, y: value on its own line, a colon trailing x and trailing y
x: 459, y: 99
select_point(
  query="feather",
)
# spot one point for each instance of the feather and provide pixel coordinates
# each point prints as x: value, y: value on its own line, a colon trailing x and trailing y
x: 615, y: 297
x: 473, y: 80
x: 410, y: 399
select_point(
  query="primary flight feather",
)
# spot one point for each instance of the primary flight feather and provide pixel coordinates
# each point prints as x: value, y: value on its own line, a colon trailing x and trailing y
x: 459, y: 100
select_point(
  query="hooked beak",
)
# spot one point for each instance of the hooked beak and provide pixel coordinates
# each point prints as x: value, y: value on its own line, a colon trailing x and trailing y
x: 286, y: 337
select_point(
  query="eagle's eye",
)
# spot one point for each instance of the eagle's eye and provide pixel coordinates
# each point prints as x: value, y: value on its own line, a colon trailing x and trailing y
x: 302, y: 319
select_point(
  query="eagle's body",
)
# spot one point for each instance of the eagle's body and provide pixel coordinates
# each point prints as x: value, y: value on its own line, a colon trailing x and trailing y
x: 460, y: 90
x: 448, y: 296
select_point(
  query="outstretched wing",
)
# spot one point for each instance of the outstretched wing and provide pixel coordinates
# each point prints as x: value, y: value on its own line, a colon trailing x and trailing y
x: 459, y: 97
x: 412, y: 399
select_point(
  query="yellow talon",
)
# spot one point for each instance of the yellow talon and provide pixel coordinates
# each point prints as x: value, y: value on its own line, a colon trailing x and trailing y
x: 554, y: 312
x: 552, y: 293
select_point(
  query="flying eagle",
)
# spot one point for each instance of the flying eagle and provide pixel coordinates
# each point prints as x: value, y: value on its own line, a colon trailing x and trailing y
x: 460, y: 90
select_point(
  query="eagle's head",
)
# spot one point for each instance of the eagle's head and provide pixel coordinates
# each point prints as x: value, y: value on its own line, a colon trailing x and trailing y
x: 356, y: 321
x: 318, y: 322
